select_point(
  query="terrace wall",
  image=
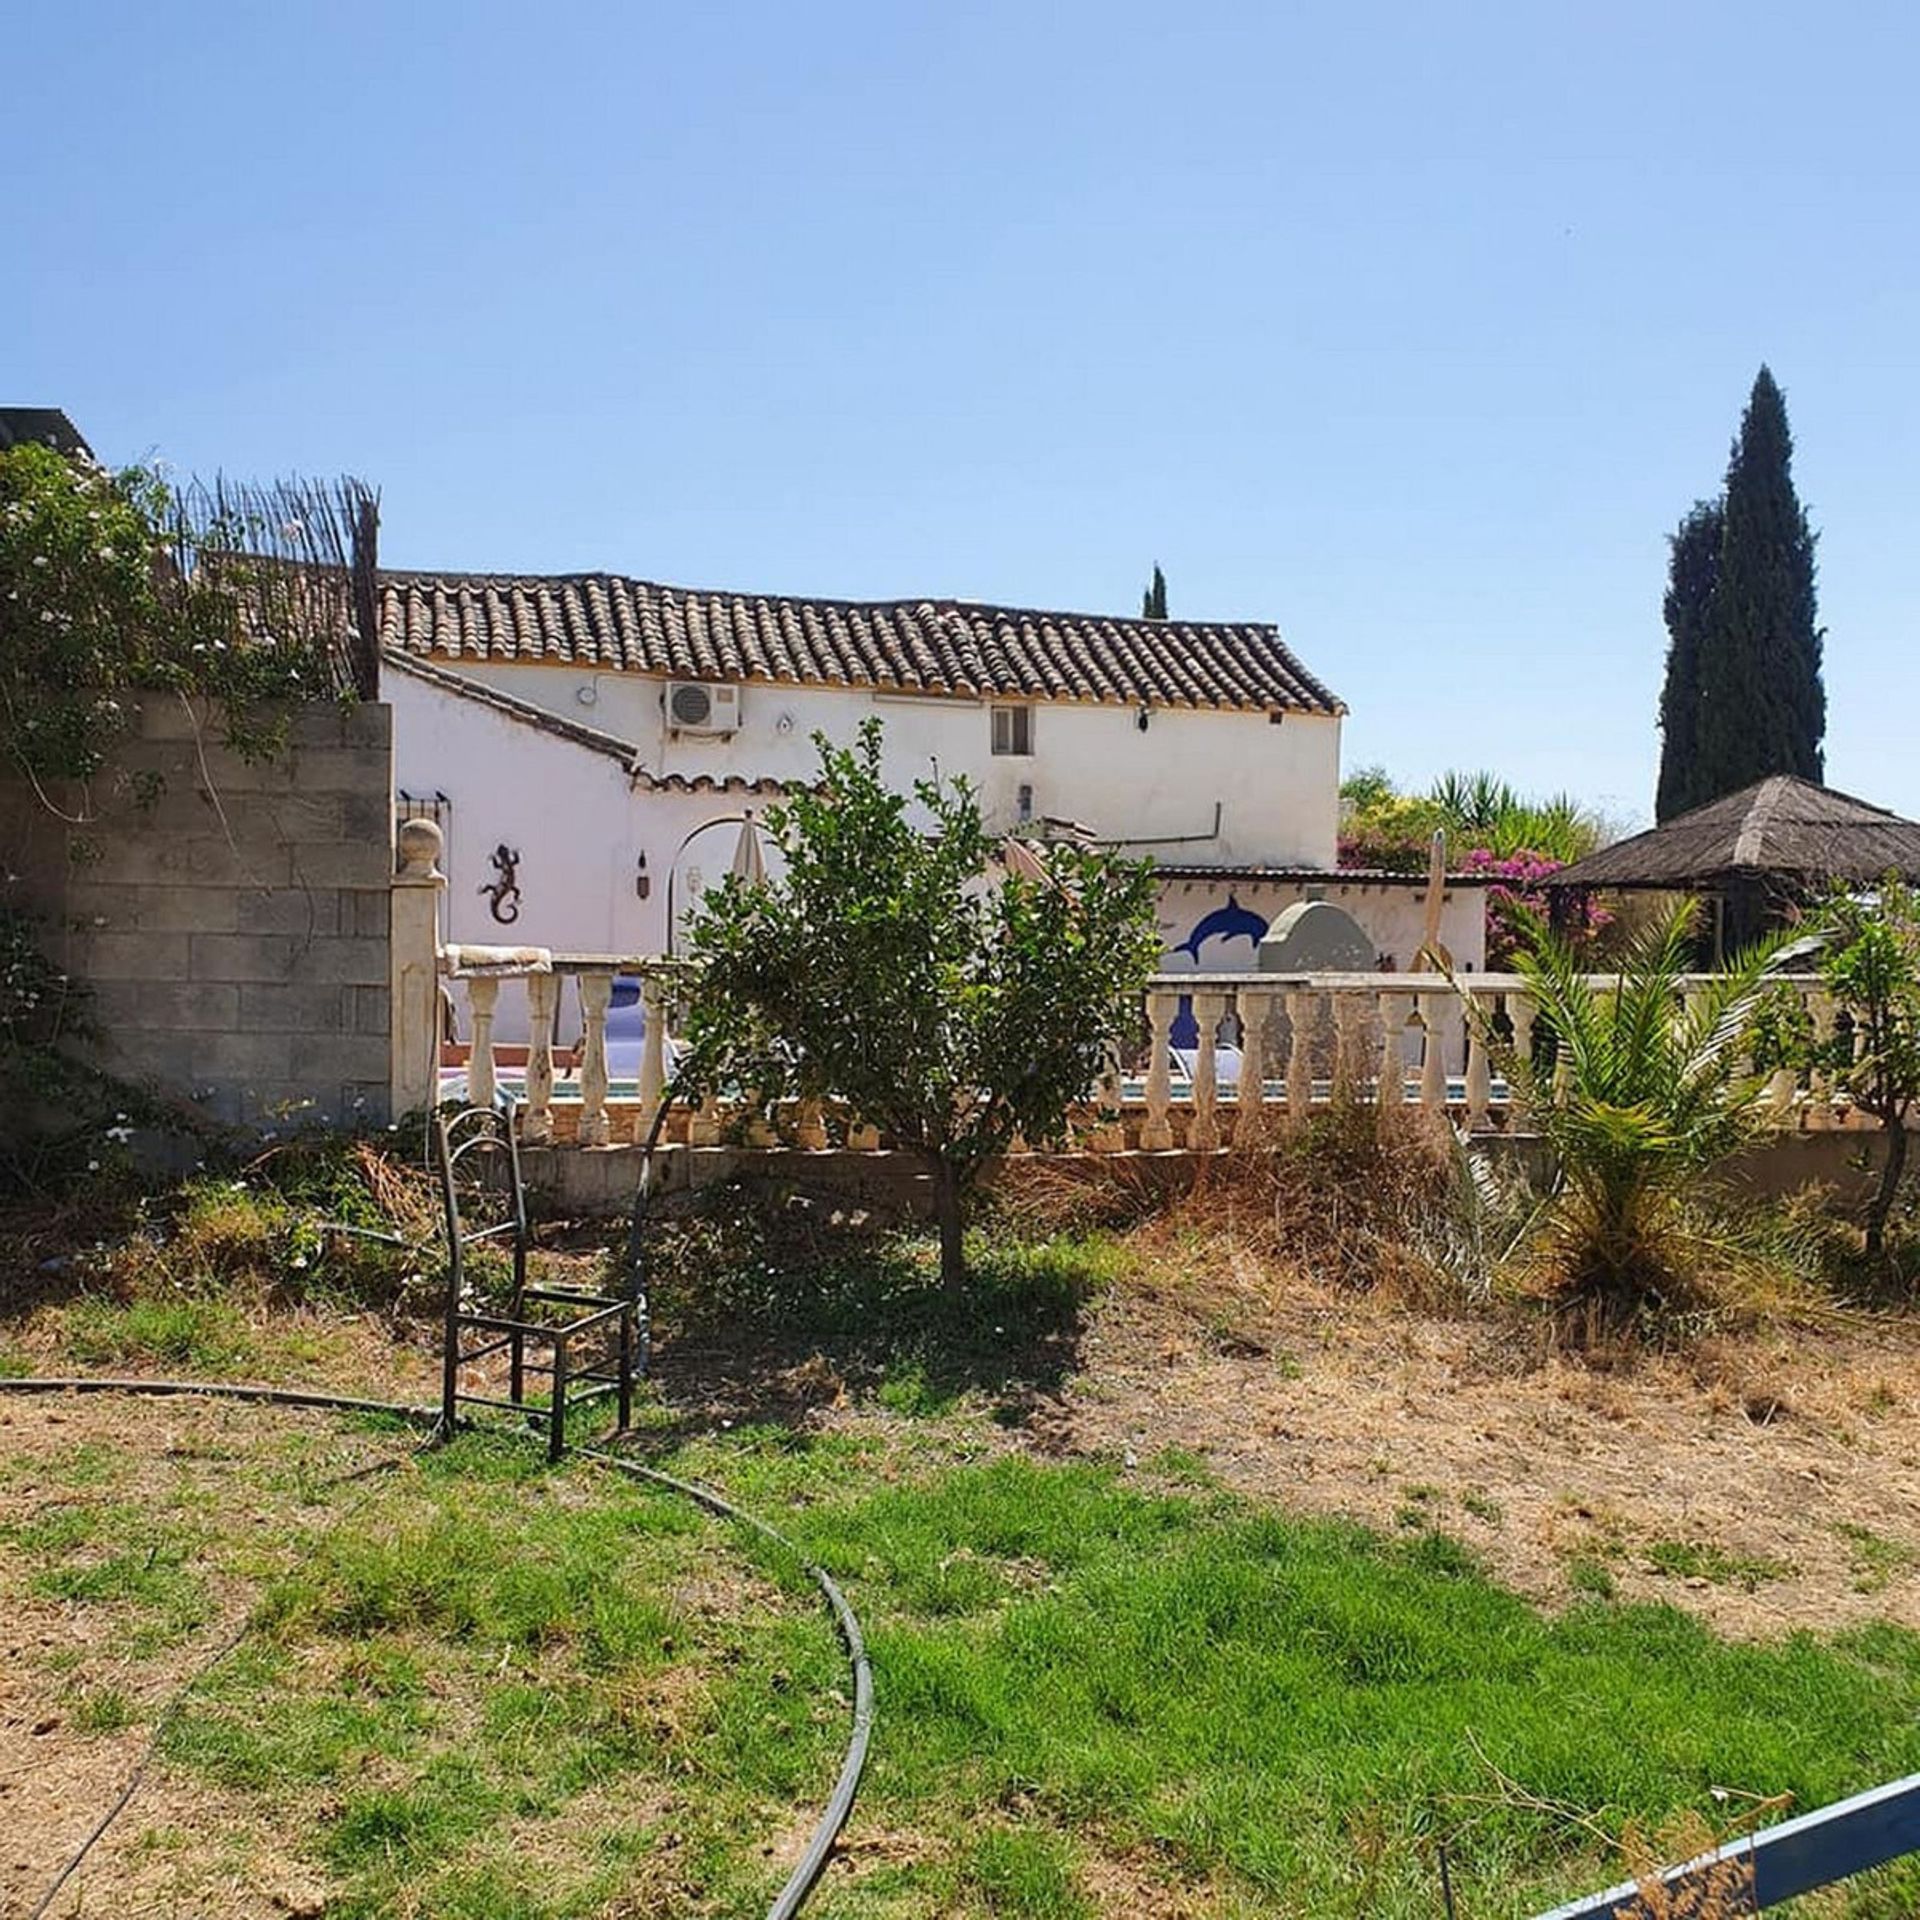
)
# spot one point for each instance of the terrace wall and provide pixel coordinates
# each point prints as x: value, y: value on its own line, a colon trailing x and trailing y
x: 235, y: 931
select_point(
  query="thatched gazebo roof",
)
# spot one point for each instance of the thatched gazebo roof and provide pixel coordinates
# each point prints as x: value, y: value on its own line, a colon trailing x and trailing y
x: 1784, y: 835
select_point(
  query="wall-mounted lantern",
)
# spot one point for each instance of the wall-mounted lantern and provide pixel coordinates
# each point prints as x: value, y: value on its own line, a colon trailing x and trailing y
x: 642, y: 879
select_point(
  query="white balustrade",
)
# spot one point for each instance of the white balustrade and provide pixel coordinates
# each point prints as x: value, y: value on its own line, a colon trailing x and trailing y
x: 1343, y: 1037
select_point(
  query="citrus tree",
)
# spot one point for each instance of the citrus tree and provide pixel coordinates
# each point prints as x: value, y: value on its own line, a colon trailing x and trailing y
x: 897, y: 966
x: 1869, y: 962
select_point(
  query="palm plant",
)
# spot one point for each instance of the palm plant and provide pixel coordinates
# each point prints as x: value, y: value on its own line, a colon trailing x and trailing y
x: 1642, y: 1084
x: 1482, y: 810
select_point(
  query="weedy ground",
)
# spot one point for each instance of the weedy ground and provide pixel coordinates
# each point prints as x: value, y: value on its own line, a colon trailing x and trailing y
x: 1196, y: 1584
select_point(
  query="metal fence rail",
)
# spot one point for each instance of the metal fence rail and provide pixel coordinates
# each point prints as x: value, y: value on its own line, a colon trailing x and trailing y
x: 1799, y: 1855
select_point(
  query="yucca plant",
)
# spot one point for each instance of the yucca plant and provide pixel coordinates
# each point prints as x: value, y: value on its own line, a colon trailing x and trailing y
x: 1642, y: 1083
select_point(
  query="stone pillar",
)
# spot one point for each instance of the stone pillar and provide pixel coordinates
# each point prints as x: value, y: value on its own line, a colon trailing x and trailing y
x: 415, y: 960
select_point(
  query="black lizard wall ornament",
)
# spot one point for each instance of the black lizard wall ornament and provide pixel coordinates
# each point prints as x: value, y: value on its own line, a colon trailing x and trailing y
x: 503, y: 894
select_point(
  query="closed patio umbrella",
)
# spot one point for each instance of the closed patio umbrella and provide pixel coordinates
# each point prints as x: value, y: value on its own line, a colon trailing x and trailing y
x: 749, y: 862
x: 1017, y: 857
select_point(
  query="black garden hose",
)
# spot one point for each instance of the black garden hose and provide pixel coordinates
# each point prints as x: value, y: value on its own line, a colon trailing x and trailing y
x: 792, y: 1897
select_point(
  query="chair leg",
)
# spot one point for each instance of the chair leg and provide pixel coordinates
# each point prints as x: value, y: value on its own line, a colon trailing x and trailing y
x: 557, y: 1414
x: 626, y: 1369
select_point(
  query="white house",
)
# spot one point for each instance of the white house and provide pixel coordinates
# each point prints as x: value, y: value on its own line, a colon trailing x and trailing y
x: 599, y: 739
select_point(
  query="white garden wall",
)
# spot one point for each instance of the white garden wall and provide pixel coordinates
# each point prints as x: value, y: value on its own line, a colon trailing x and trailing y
x: 1392, y: 913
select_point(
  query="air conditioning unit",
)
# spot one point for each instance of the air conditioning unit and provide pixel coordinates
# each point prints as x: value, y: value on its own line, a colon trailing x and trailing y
x: 702, y: 706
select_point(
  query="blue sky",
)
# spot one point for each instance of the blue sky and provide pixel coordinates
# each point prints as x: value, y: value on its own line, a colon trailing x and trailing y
x: 1412, y: 328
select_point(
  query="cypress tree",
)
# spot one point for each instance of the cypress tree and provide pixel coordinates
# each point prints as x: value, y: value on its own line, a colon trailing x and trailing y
x: 1691, y: 573
x: 1763, y: 709
x: 1153, y: 603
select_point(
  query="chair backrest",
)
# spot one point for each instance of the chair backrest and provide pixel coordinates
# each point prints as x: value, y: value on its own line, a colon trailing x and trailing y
x: 477, y: 1150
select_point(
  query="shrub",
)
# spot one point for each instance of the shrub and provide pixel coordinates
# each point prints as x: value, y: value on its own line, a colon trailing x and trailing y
x: 1638, y: 1092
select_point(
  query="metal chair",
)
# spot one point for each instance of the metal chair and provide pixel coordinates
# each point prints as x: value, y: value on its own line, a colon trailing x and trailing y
x: 478, y: 1153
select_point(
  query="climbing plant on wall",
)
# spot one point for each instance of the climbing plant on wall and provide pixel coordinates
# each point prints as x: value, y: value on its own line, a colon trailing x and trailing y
x: 114, y: 584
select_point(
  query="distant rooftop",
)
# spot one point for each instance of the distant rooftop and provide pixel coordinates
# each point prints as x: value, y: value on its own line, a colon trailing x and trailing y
x: 41, y: 426
x: 1780, y: 828
x: 609, y: 622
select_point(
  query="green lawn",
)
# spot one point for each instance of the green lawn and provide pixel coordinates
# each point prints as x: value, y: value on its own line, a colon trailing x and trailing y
x: 477, y: 1689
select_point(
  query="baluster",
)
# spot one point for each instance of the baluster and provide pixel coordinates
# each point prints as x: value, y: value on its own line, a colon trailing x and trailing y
x: 1302, y: 1012
x: 1390, y: 1086
x: 1521, y: 1011
x: 1346, y: 1011
x: 1479, y: 1075
x: 1433, y: 1064
x: 1845, y: 1112
x: 596, y: 991
x: 543, y: 999
x: 703, y: 1127
x: 1820, y: 1114
x: 653, y: 1056
x: 1204, y: 1134
x: 1784, y: 1082
x: 756, y: 1119
x: 1107, y: 1134
x: 1157, y: 1134
x: 483, y: 994
x: 1692, y: 998
x: 1250, y: 1119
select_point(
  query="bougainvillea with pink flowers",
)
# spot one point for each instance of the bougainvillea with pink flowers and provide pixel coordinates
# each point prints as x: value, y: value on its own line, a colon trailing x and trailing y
x: 1518, y: 890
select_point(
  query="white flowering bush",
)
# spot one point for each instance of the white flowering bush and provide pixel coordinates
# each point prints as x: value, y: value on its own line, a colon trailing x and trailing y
x: 62, y: 1120
x: 108, y: 589
x: 114, y: 586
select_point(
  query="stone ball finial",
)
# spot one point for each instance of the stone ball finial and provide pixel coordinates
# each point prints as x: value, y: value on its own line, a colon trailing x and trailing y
x: 419, y: 843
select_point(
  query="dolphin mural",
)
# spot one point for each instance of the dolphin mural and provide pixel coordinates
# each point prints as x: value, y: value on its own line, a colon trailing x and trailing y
x: 1231, y: 922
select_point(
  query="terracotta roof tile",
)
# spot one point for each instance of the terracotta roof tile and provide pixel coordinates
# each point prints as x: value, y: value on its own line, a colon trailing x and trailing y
x: 934, y: 646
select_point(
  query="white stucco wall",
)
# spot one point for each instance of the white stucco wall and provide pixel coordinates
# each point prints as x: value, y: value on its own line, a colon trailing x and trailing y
x: 1393, y: 916
x: 578, y: 822
x: 1276, y: 785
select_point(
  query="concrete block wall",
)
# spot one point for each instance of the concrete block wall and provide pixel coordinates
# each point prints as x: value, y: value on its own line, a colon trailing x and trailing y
x: 234, y: 931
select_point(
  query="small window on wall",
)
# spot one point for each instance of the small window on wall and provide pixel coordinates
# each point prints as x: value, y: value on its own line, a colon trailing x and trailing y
x: 1013, y: 730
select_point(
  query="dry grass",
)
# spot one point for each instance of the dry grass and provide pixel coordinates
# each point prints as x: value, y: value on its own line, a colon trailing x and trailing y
x: 1763, y: 1480
x: 1356, y: 1198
